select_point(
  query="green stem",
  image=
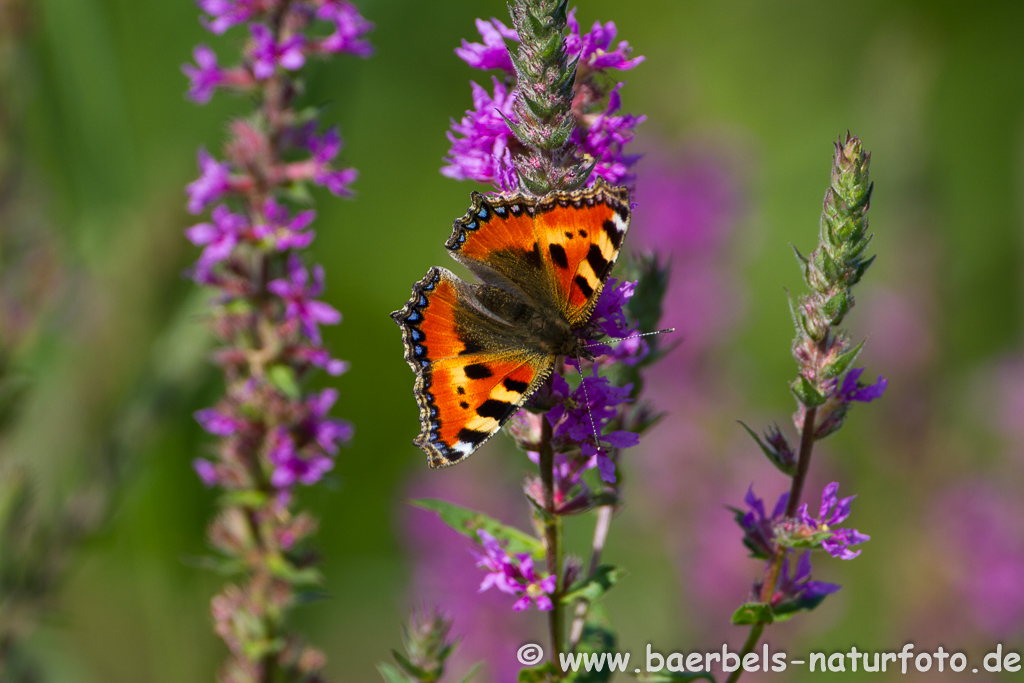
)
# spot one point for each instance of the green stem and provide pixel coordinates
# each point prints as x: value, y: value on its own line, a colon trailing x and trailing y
x: 771, y: 574
x: 552, y: 540
x: 748, y: 647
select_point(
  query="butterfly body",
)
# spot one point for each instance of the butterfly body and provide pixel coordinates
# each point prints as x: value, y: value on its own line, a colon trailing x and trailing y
x: 480, y: 350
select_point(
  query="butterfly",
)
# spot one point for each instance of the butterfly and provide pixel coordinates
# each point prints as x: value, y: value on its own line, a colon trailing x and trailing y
x: 480, y: 350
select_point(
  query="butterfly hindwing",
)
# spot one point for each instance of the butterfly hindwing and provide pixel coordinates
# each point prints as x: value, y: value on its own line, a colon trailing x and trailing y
x: 558, y: 250
x: 472, y: 374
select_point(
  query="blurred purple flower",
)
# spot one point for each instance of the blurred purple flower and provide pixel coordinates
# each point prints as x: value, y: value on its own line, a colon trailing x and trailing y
x: 205, y: 77
x: 609, y: 317
x: 218, y: 423
x: 212, y: 184
x: 980, y: 530
x: 321, y: 358
x: 227, y: 13
x: 758, y: 527
x: 513, y: 576
x: 267, y: 53
x: 325, y: 431
x: 349, y: 28
x: 290, y: 466
x: 481, y: 153
x: 324, y: 149
x: 206, y: 470
x: 853, y: 390
x: 593, y: 47
x: 286, y: 232
x: 218, y: 239
x: 799, y: 588
x: 833, y: 511
x: 493, y: 53
x: 298, y: 294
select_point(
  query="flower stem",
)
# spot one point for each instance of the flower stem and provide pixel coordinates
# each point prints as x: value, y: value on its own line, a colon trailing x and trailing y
x: 552, y: 539
x: 771, y: 574
x: 748, y: 647
x: 601, y: 527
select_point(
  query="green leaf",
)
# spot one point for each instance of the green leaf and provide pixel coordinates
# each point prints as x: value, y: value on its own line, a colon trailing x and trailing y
x: 418, y: 673
x: 595, y: 585
x: 283, y: 377
x: 472, y: 672
x: 598, y: 637
x: 842, y: 362
x: 392, y: 675
x: 467, y: 522
x: 281, y: 567
x: 753, y: 613
x: 806, y: 393
x: 673, y: 676
x: 787, y: 467
x: 248, y: 498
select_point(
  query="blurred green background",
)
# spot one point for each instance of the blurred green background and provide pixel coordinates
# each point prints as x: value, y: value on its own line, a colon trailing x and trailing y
x: 104, y: 357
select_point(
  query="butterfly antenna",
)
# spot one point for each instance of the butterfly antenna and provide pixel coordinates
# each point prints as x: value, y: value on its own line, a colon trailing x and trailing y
x: 635, y: 336
x: 586, y: 399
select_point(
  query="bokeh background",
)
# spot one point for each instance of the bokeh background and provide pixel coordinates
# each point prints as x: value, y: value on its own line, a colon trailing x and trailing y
x: 103, y: 346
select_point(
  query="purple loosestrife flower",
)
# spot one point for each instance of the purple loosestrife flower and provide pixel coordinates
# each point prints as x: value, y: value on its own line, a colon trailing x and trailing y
x: 205, y: 77
x: 223, y: 14
x: 273, y: 434
x: 218, y: 238
x: 298, y: 293
x: 324, y: 149
x: 798, y: 588
x: 481, y: 153
x: 213, y: 182
x: 282, y: 230
x: 758, y: 527
x: 605, y: 138
x: 493, y: 53
x: 833, y: 511
x: 268, y: 53
x: 349, y: 29
x: 853, y: 390
x: 514, y: 576
x: 593, y: 47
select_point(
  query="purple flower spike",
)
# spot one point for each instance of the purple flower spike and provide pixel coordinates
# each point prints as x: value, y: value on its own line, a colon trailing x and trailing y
x: 349, y: 29
x: 853, y: 390
x: 799, y: 587
x: 593, y: 47
x: 218, y: 239
x: 298, y: 294
x: 212, y: 184
x: 227, y: 13
x: 481, y: 153
x: 493, y: 53
x: 286, y: 232
x: 268, y: 54
x: 205, y: 77
x: 290, y: 467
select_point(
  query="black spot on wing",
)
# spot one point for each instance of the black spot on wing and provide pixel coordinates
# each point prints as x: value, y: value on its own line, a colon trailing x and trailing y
x: 463, y: 405
x: 583, y: 233
x: 568, y: 235
x: 597, y: 261
x: 558, y: 255
x: 478, y: 371
x: 584, y: 286
x: 533, y: 257
x: 613, y: 233
x: 498, y: 410
x: 461, y: 390
x: 472, y: 436
x: 470, y: 347
x: 515, y: 385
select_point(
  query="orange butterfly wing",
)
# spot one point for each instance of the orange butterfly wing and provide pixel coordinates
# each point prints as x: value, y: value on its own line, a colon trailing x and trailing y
x: 558, y: 250
x: 465, y: 391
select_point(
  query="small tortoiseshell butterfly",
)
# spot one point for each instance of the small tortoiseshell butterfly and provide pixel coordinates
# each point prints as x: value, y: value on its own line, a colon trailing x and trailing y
x: 480, y: 350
